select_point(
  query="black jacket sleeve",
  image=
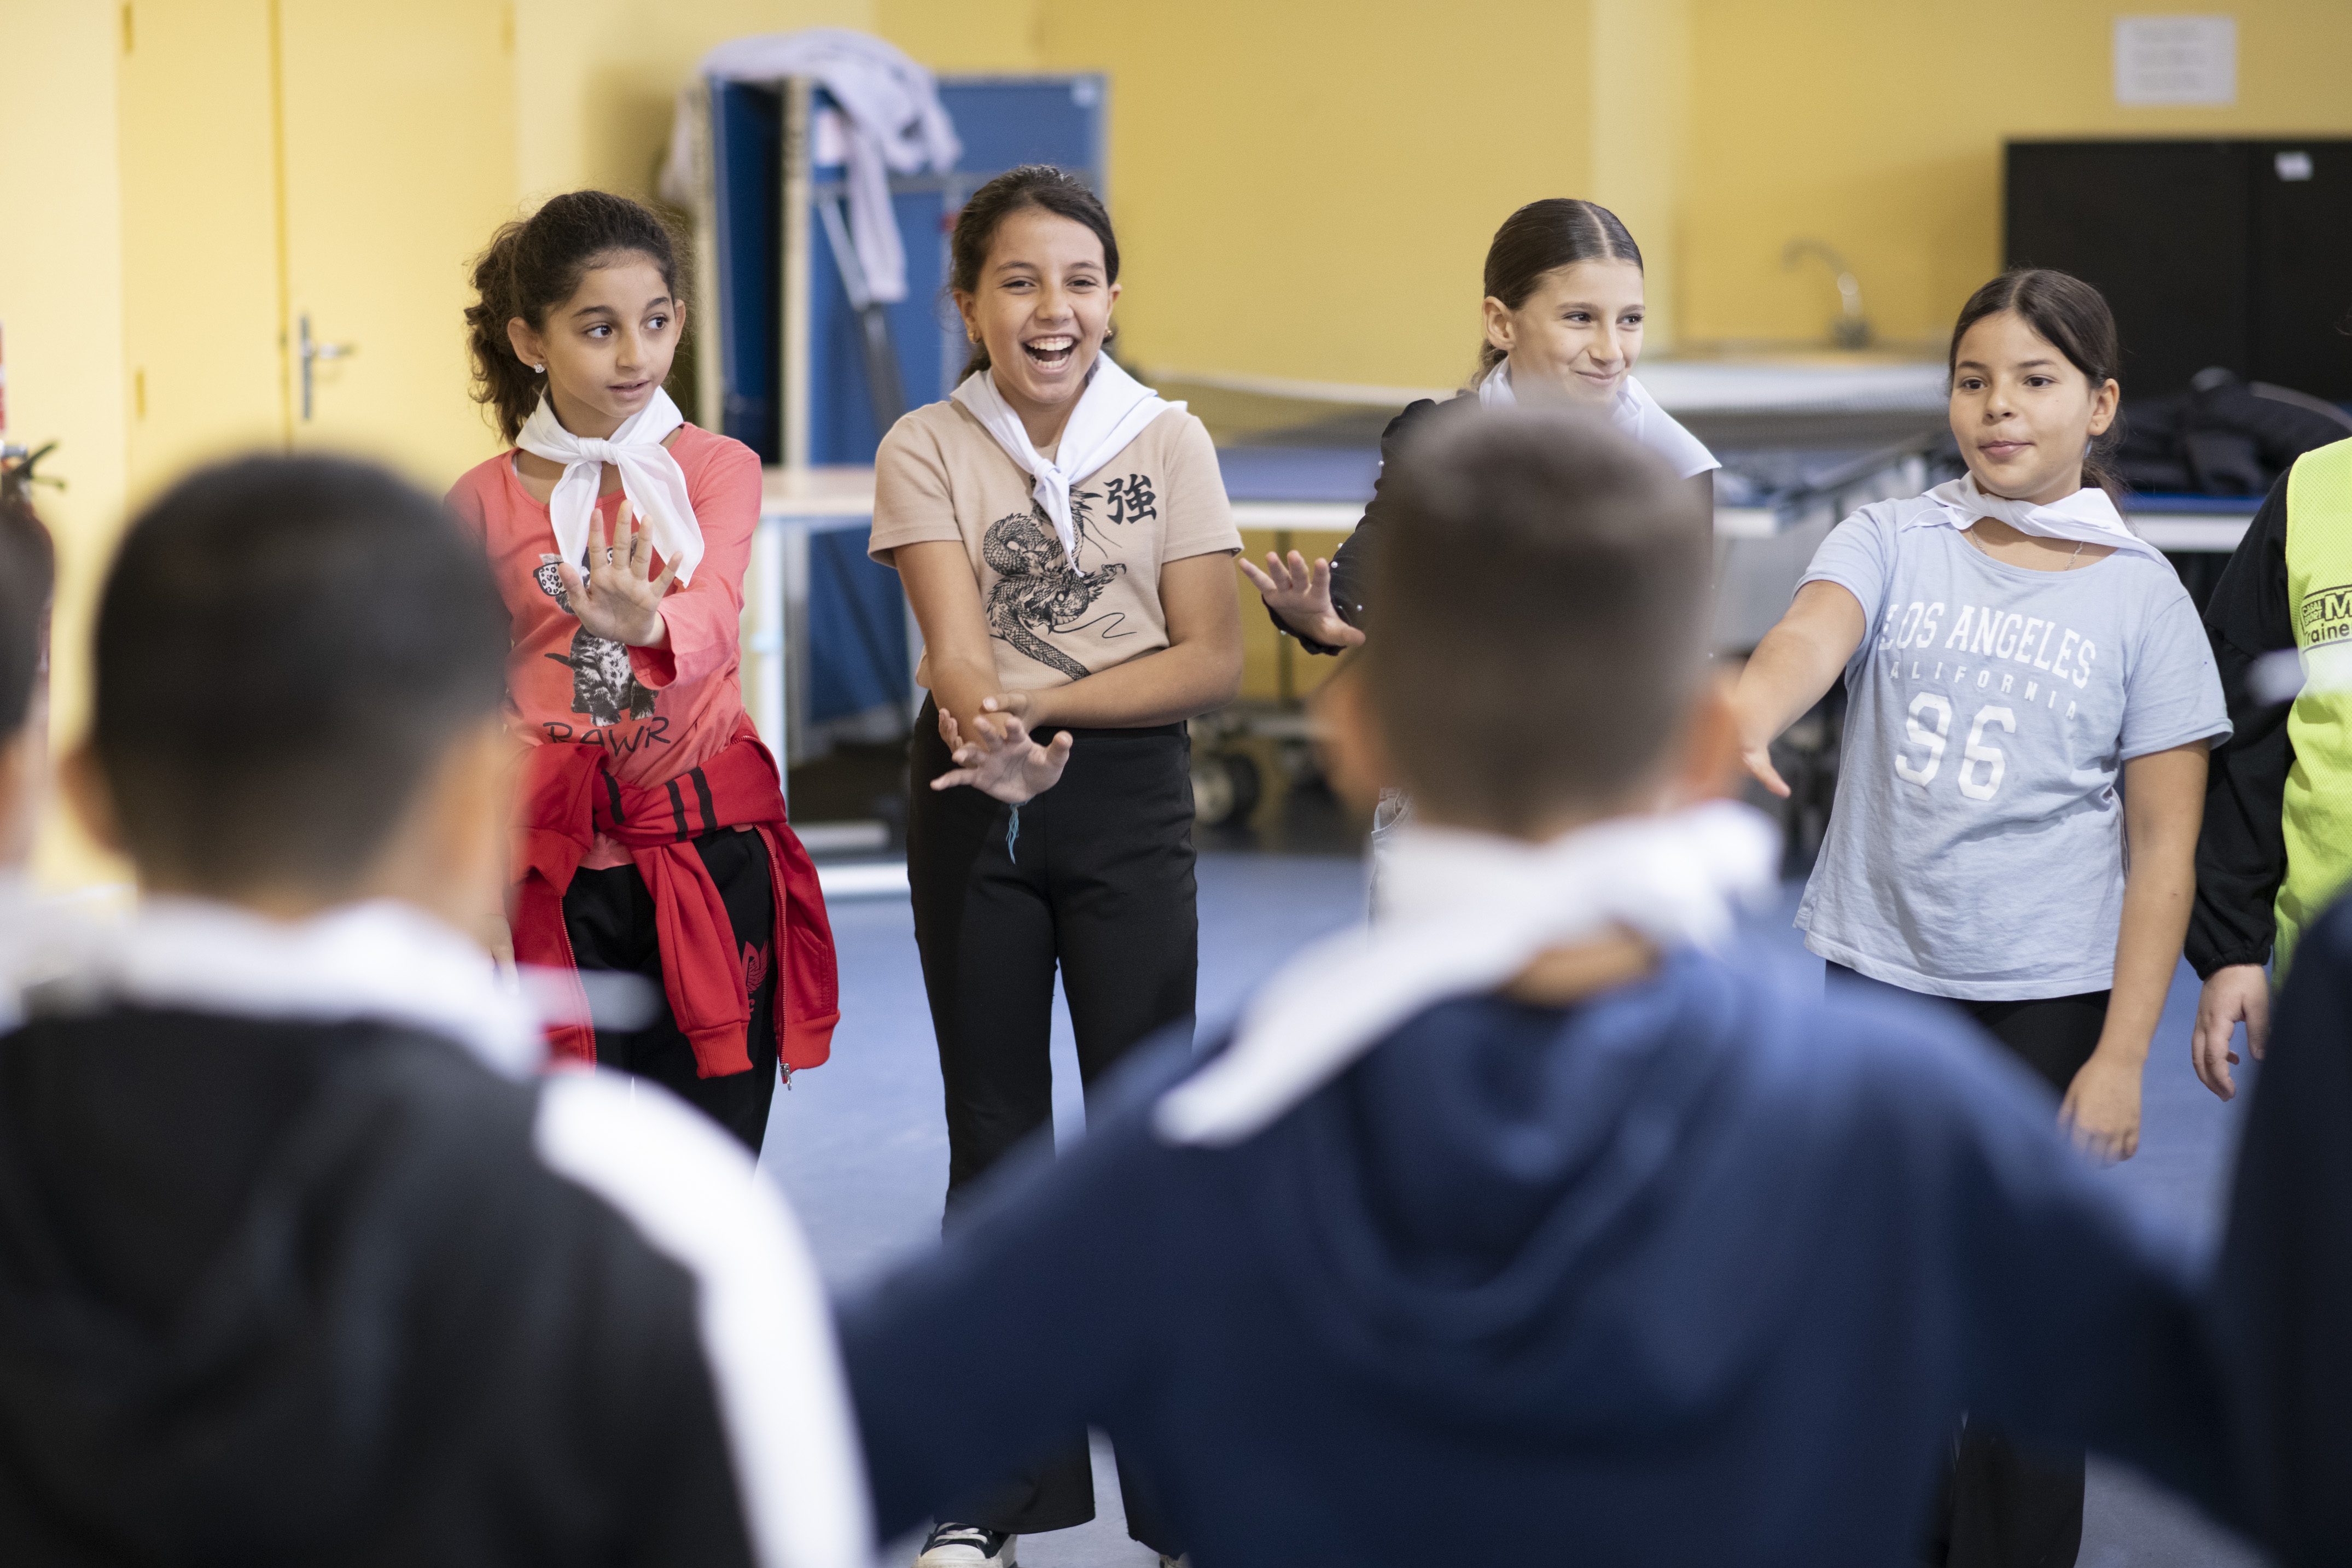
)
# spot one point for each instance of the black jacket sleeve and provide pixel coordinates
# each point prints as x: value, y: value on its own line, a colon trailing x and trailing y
x: 1351, y: 568
x: 2284, y: 1291
x: 2241, y: 849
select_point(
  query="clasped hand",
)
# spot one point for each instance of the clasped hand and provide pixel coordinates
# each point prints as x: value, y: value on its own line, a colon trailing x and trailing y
x: 619, y: 597
x: 1000, y: 759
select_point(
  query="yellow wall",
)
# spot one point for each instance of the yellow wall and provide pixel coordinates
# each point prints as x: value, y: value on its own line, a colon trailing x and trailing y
x: 60, y: 301
x: 1305, y: 189
x: 1876, y: 125
x: 1290, y: 183
x: 199, y: 280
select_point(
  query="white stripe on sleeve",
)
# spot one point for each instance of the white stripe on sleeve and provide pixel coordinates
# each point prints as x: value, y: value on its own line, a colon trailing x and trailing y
x: 692, y: 1193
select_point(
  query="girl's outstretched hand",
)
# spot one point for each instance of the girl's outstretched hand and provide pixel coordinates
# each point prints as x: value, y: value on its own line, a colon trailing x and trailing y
x: 1759, y: 759
x: 2102, y: 1109
x: 1000, y: 759
x: 620, y: 598
x: 1301, y: 595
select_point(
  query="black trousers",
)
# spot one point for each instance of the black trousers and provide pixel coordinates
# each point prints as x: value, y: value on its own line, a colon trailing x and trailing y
x: 610, y: 916
x: 1094, y: 876
x: 2003, y: 1506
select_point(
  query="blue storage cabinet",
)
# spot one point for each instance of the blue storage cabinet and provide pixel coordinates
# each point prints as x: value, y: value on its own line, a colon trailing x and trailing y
x: 792, y: 380
x: 787, y: 373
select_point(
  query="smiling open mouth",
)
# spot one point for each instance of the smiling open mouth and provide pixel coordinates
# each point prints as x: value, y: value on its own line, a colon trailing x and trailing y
x: 1050, y: 353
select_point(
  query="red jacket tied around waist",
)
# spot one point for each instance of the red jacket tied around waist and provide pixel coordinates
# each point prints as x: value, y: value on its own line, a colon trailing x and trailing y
x: 569, y: 795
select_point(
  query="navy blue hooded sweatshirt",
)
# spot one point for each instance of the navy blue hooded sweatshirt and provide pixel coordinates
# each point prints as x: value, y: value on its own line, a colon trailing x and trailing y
x: 1704, y: 1270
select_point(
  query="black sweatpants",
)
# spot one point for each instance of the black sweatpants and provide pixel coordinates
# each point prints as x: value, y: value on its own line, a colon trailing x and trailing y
x: 610, y: 914
x: 1094, y: 877
x: 2003, y: 1506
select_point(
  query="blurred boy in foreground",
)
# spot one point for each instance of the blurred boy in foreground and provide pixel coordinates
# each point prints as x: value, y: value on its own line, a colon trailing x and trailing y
x: 299, y: 1261
x: 1518, y: 1226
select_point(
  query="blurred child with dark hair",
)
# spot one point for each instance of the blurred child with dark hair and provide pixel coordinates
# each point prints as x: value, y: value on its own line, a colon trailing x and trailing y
x: 1520, y: 1224
x: 300, y: 1258
x: 34, y: 931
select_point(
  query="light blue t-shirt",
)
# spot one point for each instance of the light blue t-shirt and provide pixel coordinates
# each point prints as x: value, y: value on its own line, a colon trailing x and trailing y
x: 1976, y: 849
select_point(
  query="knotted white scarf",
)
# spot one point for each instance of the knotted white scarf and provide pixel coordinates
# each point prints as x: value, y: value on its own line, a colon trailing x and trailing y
x: 1462, y: 913
x: 1111, y: 412
x: 650, y: 479
x: 2087, y: 516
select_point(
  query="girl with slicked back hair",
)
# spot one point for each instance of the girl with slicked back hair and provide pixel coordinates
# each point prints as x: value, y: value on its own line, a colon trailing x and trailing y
x: 1564, y: 314
x: 654, y: 839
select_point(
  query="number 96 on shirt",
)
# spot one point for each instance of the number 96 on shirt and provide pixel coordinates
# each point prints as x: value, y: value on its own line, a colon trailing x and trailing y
x: 1927, y: 733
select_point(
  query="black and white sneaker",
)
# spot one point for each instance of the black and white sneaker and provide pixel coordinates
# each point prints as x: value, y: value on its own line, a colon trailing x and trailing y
x: 966, y: 1546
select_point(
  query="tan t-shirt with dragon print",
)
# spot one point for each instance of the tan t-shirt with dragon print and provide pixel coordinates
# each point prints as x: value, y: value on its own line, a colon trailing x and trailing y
x: 941, y: 476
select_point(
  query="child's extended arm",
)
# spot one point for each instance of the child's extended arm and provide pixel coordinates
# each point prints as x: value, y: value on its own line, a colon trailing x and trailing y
x: 1796, y: 661
x: 2164, y: 802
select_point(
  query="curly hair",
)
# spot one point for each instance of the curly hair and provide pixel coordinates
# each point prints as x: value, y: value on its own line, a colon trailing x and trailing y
x: 537, y: 263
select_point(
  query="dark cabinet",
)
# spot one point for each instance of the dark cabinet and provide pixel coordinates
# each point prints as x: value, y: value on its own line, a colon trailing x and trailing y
x: 2231, y: 253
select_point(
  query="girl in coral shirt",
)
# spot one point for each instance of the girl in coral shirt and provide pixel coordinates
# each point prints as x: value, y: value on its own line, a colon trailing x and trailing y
x: 653, y: 836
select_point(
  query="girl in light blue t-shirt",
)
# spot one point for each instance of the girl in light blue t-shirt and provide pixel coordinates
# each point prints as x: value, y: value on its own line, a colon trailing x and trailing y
x: 2029, y: 695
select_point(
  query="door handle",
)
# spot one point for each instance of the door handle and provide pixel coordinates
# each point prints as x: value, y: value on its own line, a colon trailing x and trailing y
x: 311, y: 352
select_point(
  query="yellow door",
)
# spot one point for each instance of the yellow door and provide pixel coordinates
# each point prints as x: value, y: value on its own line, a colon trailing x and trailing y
x: 201, y: 303
x: 399, y: 161
x: 285, y: 160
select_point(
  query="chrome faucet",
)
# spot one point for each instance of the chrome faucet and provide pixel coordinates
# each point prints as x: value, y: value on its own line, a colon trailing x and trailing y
x: 1852, y: 327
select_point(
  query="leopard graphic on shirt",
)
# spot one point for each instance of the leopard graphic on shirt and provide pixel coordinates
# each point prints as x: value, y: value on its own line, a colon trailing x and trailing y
x: 1038, y: 591
x: 603, y: 686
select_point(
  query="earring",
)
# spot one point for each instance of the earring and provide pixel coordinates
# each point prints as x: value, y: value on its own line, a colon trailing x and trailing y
x: 538, y: 370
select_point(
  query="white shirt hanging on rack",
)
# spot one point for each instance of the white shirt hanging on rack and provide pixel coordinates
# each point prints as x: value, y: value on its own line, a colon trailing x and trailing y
x: 895, y: 125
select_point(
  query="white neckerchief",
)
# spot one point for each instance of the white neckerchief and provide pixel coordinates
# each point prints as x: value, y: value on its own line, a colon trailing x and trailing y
x: 650, y: 479
x: 1629, y: 413
x: 382, y: 960
x: 1494, y: 390
x: 1111, y: 412
x: 42, y: 937
x: 2087, y: 516
x: 1461, y: 914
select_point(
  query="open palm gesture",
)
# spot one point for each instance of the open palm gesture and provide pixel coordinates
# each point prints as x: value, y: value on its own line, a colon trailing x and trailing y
x: 1000, y: 759
x: 1301, y: 595
x: 620, y: 598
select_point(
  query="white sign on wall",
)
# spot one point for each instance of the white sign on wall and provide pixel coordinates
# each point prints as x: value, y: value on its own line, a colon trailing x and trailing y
x: 2176, y: 60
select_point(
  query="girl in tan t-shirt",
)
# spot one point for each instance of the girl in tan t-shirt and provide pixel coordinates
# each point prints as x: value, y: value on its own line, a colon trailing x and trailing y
x: 1065, y: 540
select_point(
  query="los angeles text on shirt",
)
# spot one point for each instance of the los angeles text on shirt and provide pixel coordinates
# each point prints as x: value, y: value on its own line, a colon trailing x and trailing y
x: 2034, y: 659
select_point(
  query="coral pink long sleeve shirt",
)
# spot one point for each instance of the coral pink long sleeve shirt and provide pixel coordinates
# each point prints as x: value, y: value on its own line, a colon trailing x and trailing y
x: 658, y: 713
